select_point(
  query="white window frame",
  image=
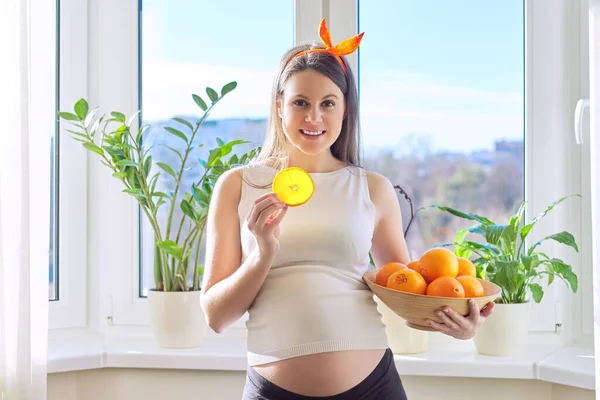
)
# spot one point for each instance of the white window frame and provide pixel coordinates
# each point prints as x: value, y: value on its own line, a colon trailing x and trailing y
x: 113, y: 251
x: 117, y: 263
x: 586, y: 301
x: 556, y: 79
x: 549, y: 91
x: 70, y: 310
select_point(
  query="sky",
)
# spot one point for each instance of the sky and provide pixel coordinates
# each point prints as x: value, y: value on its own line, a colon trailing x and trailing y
x: 450, y: 71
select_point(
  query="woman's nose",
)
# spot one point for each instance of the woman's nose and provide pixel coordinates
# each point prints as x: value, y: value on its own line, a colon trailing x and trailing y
x: 313, y: 115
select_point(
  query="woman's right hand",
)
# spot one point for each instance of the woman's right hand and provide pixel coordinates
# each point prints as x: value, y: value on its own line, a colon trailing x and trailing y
x: 263, y: 221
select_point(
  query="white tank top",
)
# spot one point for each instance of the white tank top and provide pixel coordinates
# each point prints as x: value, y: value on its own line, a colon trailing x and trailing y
x: 314, y: 299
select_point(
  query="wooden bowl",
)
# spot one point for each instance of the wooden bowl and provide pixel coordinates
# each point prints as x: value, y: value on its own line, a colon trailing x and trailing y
x: 416, y: 309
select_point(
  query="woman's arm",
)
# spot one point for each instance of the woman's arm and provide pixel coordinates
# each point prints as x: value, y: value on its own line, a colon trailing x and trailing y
x: 389, y: 245
x: 228, y: 288
x: 388, y: 239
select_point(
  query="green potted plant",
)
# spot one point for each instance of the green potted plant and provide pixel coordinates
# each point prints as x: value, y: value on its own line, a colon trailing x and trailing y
x: 174, y: 302
x: 506, y: 258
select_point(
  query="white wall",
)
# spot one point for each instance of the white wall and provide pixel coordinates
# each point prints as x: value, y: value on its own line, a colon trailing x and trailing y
x: 153, y: 384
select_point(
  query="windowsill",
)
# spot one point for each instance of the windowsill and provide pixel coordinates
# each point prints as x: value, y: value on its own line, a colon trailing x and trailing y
x: 75, y: 351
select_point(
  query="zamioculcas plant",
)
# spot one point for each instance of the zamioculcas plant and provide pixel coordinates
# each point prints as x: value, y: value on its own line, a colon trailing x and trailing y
x: 121, y: 149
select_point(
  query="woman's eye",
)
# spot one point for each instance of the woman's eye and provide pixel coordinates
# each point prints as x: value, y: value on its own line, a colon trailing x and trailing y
x: 328, y: 103
x: 300, y: 103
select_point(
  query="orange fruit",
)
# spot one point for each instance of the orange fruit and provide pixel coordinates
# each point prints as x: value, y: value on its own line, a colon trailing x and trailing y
x: 438, y: 262
x: 407, y: 280
x: 471, y: 285
x: 294, y: 186
x: 414, y: 265
x: 466, y: 267
x: 445, y: 286
x: 386, y: 271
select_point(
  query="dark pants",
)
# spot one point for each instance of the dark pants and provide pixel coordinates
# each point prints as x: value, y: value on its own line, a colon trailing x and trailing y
x: 383, y: 383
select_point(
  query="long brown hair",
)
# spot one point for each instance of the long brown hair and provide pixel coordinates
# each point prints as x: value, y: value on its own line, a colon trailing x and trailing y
x: 347, y: 147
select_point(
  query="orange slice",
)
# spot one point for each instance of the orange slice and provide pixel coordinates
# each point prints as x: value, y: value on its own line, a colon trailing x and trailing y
x: 293, y: 186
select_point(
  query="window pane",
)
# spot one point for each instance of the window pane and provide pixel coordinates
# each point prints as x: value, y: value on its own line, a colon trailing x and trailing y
x: 54, y: 146
x: 188, y: 45
x: 442, y: 103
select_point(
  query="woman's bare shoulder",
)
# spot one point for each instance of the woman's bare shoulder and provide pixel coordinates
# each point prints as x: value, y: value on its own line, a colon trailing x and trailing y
x: 229, y: 184
x: 379, y: 185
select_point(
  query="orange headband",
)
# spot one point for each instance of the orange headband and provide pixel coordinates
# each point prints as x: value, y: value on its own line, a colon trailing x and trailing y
x: 343, y: 48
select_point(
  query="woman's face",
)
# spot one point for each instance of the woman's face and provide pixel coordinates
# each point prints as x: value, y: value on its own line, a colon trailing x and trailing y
x: 312, y: 111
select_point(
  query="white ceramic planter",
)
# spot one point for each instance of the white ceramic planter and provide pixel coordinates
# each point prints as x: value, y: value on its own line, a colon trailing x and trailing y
x: 177, y: 319
x: 402, y: 339
x: 505, y: 331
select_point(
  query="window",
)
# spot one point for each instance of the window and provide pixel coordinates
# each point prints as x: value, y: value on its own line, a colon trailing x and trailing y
x: 443, y: 108
x: 53, y: 268
x: 66, y: 53
x: 499, y: 83
x: 162, y: 61
x: 178, y: 59
x: 455, y: 107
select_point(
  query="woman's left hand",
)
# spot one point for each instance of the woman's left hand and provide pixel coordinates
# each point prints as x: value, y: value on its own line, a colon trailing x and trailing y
x: 455, y: 325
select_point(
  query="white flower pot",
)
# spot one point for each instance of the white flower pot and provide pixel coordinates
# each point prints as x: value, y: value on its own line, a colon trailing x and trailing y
x: 504, y: 332
x: 401, y: 338
x: 177, y: 319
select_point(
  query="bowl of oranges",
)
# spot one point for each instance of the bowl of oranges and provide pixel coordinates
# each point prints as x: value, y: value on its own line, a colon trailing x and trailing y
x: 418, y: 290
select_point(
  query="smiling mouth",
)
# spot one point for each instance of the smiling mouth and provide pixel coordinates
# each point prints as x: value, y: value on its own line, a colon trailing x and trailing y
x: 312, y: 133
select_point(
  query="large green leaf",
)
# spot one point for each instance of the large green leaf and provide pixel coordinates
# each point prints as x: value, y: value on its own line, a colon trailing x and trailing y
x: 459, y: 238
x: 167, y: 169
x: 161, y: 194
x: 212, y: 94
x: 530, y: 263
x: 171, y: 248
x: 188, y: 209
x: 177, y: 133
x: 527, y: 228
x: 227, y: 148
x: 565, y: 271
x: 200, y: 196
x: 141, y: 132
x: 228, y: 88
x: 68, y: 116
x: 478, y: 229
x: 91, y: 146
x: 127, y: 163
x: 563, y: 237
x: 481, y: 266
x: 213, y: 156
x: 147, y: 165
x: 119, y: 117
x: 78, y: 134
x: 81, y: 108
x: 509, y: 275
x: 464, y: 215
x: 536, y: 291
x: 174, y: 150
x: 200, y: 102
x: 184, y: 122
x: 510, y: 235
x: 487, y: 248
x: 135, y: 192
x: 494, y: 233
x: 515, y: 220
